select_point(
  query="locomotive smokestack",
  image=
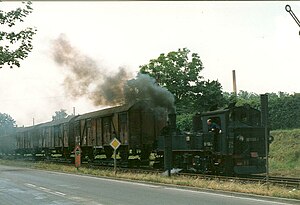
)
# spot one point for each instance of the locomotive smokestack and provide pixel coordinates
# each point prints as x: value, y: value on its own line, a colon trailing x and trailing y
x: 172, y: 121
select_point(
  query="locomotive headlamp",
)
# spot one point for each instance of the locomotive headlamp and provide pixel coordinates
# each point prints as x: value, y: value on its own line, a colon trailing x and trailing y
x: 187, y: 138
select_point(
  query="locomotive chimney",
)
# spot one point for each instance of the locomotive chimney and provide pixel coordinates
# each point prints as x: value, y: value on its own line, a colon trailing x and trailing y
x: 172, y: 121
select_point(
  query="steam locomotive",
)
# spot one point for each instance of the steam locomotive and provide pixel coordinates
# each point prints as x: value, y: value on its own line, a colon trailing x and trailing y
x: 145, y: 131
x: 239, y: 146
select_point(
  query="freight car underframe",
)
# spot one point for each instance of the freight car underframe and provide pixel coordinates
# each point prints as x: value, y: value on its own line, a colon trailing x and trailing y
x: 127, y: 156
x: 43, y: 153
x: 98, y: 154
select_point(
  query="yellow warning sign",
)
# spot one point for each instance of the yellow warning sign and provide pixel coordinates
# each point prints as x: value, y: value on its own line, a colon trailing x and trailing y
x: 115, y: 143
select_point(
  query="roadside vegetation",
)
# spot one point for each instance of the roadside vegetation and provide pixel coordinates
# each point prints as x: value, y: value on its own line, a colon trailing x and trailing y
x: 198, y: 183
x: 285, y: 153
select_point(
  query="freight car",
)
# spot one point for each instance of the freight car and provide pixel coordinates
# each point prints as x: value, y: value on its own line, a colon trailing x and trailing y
x: 238, y: 147
x: 46, y: 139
x: 135, y: 125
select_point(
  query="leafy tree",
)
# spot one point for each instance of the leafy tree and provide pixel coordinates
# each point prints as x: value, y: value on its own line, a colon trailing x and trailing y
x: 175, y: 72
x: 15, y: 46
x: 60, y: 115
x: 243, y: 98
x: 208, y: 96
x: 179, y: 72
x: 284, y: 108
x: 7, y: 124
x: 184, y: 122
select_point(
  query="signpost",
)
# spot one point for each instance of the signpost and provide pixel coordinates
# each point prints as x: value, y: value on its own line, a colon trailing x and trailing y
x: 115, y: 143
x: 77, y: 152
x: 264, y: 122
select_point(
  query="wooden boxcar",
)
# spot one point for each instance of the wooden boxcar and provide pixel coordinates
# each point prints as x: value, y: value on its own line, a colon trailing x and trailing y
x: 136, y: 126
x: 53, y: 137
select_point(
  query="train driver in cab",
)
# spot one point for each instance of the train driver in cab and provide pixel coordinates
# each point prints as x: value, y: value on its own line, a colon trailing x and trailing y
x: 213, y: 127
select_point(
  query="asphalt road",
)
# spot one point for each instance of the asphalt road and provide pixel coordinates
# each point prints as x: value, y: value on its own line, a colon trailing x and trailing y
x: 20, y: 186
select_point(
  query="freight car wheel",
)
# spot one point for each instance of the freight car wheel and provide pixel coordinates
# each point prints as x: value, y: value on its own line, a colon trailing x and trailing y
x: 124, y: 153
x: 108, y: 152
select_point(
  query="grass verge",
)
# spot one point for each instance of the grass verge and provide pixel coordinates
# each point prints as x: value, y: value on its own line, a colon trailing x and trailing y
x: 285, y: 153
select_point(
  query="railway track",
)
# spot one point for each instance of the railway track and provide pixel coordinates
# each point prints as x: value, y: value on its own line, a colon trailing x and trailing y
x: 281, y: 181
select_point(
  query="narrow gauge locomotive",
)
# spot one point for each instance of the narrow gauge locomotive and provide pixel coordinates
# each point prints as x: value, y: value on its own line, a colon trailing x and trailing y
x: 136, y: 126
x: 237, y: 148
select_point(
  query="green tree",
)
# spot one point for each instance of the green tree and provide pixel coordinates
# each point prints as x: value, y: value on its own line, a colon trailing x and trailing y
x: 208, y: 95
x: 15, y: 46
x: 7, y: 124
x: 61, y: 114
x: 175, y: 72
x: 179, y: 72
x: 284, y: 108
x: 251, y: 99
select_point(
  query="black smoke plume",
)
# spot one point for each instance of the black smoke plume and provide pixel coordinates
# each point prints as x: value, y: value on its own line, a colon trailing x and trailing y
x: 143, y: 87
x: 87, y: 78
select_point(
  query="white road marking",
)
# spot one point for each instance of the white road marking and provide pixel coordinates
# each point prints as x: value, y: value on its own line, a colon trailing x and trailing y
x: 224, y: 195
x: 111, y: 180
x: 136, y: 183
x: 30, y: 185
x: 44, y: 189
x: 57, y: 193
x: 60, y: 193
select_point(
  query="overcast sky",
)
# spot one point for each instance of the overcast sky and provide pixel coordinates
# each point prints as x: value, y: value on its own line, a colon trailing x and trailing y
x: 259, y: 40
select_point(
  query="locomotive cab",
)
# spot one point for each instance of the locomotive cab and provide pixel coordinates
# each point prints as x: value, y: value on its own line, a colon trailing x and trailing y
x: 239, y: 148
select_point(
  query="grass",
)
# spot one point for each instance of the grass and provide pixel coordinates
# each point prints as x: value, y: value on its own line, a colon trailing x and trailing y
x: 232, y: 186
x: 285, y: 153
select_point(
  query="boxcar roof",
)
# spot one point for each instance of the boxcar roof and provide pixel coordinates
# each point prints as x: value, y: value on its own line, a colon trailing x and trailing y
x: 57, y: 122
x: 105, y: 112
x: 122, y: 108
x: 24, y: 129
x: 46, y: 124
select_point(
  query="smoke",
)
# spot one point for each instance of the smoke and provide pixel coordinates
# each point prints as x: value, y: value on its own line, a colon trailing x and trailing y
x: 143, y: 87
x: 89, y: 79
x: 86, y: 77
